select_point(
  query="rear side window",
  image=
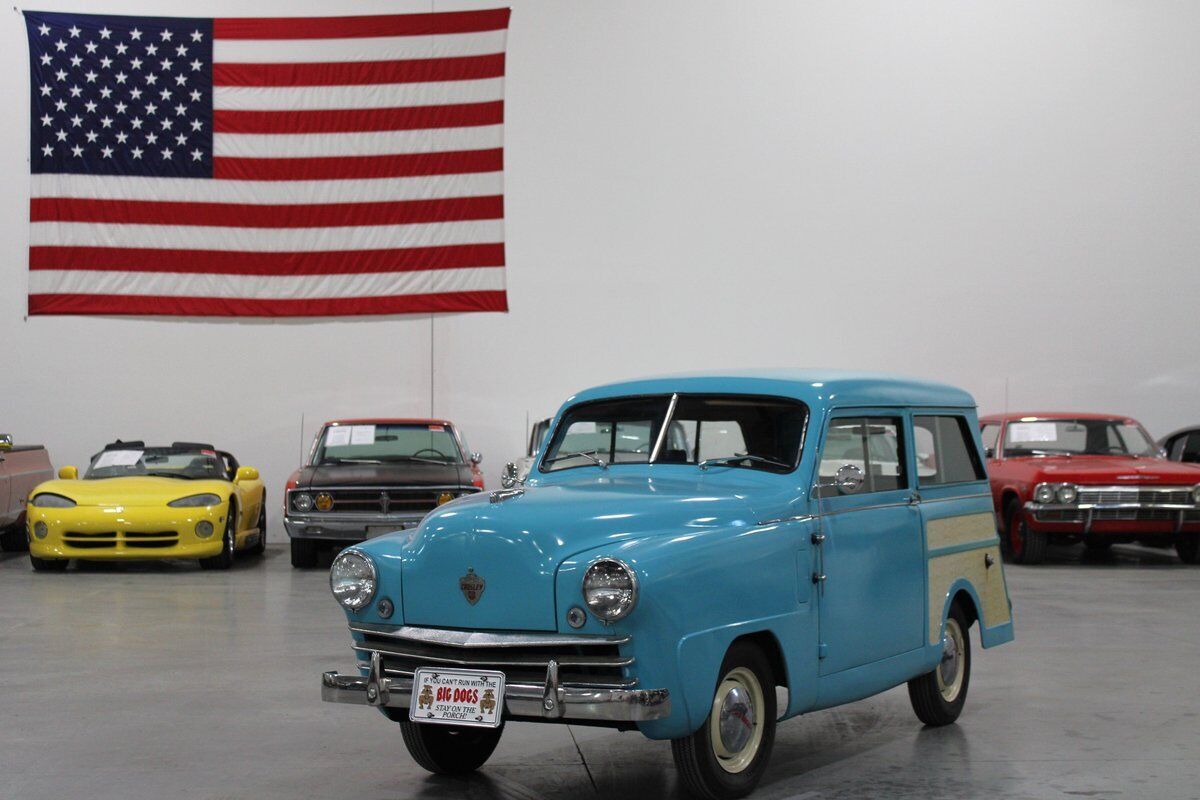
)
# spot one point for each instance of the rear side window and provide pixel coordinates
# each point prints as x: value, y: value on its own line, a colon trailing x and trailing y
x: 945, y: 451
x: 873, y: 444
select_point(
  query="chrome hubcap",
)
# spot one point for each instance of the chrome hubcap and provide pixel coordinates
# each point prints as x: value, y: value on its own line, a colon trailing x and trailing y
x: 950, y: 668
x: 734, y: 722
x: 736, y: 719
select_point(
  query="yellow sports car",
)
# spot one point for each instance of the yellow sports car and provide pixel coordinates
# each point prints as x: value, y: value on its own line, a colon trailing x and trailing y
x: 135, y: 502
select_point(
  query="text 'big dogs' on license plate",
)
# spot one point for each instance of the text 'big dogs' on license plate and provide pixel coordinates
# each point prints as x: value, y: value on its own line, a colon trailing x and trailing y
x: 457, y: 697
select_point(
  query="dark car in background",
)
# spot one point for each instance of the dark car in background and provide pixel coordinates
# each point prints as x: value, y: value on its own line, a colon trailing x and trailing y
x: 368, y: 477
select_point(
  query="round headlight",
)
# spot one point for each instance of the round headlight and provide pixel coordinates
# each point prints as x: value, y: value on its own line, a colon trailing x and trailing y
x: 204, y: 529
x: 40, y: 530
x: 1067, y: 493
x: 1196, y: 493
x: 324, y: 501
x: 610, y: 589
x: 302, y: 502
x: 1044, y: 493
x: 352, y: 579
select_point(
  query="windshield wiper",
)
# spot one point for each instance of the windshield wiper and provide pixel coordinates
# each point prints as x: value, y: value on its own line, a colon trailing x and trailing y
x: 420, y: 459
x: 726, y: 460
x: 170, y: 475
x: 588, y: 454
x: 349, y: 461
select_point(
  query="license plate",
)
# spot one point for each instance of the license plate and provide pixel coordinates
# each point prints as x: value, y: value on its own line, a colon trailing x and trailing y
x: 457, y: 697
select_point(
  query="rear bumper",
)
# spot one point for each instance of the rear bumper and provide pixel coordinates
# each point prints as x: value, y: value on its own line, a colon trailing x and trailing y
x: 1115, y: 518
x: 348, y: 527
x: 548, y: 701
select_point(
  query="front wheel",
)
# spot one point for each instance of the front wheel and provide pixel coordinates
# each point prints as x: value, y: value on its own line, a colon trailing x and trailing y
x: 727, y: 757
x: 449, y: 749
x: 1025, y: 546
x: 228, y: 542
x: 938, y: 697
x: 48, y: 564
x: 304, y: 553
x: 1187, y: 545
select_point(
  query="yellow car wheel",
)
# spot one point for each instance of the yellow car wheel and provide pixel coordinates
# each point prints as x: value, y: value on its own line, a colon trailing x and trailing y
x: 228, y: 543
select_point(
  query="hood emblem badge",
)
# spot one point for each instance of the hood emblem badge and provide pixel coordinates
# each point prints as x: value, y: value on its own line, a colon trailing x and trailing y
x: 471, y: 585
x: 505, y: 494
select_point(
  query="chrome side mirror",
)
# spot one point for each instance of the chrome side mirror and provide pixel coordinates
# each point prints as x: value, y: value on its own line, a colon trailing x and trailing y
x: 6, y: 441
x: 476, y: 457
x: 508, y: 475
x: 989, y: 452
x: 850, y: 478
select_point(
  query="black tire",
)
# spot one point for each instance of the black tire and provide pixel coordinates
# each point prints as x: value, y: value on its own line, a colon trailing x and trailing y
x: 1097, y: 544
x: 14, y: 540
x: 228, y: 543
x: 1025, y: 546
x: 449, y: 749
x: 703, y: 772
x: 48, y: 564
x: 304, y: 553
x: 260, y: 546
x: 935, y: 702
x: 1187, y: 546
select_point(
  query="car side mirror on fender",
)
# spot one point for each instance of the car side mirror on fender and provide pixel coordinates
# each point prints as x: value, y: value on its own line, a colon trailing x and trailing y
x: 6, y: 441
x: 245, y: 474
x: 68, y: 473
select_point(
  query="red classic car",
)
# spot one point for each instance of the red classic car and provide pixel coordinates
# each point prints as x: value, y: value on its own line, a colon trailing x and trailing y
x: 1095, y: 478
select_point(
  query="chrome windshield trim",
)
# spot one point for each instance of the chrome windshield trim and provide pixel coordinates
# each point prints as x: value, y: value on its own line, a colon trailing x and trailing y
x: 456, y: 638
x: 662, y: 432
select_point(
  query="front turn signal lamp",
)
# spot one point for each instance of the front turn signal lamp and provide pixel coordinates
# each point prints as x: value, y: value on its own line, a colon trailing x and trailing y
x: 324, y: 501
x: 445, y: 497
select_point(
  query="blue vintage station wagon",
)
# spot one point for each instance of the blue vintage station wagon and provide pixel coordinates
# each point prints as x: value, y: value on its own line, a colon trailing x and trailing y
x: 682, y: 547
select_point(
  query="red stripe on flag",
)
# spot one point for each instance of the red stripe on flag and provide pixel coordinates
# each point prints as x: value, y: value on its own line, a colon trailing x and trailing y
x: 357, y: 73
x: 405, y: 165
x: 239, y: 215
x: 358, y: 27
x: 228, y: 262
x: 139, y: 305
x: 464, y: 115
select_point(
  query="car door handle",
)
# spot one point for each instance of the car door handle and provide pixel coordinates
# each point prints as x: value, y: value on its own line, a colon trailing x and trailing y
x: 914, y: 498
x: 818, y: 577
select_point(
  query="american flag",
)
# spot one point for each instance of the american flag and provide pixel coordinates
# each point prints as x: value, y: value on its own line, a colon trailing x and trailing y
x: 267, y: 167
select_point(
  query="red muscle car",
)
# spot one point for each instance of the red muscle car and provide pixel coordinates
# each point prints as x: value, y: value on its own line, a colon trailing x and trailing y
x: 1091, y: 478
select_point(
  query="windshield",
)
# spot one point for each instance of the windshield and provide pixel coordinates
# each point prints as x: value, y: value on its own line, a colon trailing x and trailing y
x: 167, y: 462
x: 390, y: 443
x: 761, y: 433
x: 1077, y: 437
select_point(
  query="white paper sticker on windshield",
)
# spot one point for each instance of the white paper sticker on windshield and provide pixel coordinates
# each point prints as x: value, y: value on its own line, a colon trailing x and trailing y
x: 118, y: 458
x: 337, y: 436
x: 362, y: 434
x: 1033, y: 432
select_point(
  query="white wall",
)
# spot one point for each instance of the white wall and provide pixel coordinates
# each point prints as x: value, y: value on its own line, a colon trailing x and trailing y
x: 977, y: 192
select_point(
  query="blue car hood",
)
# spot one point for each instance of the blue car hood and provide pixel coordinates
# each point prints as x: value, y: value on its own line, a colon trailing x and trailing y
x: 515, y: 546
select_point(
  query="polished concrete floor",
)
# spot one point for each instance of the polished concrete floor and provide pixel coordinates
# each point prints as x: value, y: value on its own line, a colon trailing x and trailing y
x: 162, y: 681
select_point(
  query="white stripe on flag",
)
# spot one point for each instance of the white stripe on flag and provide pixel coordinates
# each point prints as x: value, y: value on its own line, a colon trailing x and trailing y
x: 266, y: 240
x: 191, y: 190
x: 381, y: 95
x: 374, y: 143
x: 375, y: 48
x: 266, y: 287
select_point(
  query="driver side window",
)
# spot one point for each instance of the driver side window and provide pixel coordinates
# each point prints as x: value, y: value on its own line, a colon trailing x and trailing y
x: 872, y: 445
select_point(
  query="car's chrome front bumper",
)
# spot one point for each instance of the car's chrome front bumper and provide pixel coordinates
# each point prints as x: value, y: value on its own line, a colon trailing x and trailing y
x: 1173, y: 515
x: 549, y: 701
x: 348, y: 527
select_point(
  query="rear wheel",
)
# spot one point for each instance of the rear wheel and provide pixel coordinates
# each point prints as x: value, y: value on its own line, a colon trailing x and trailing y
x: 304, y: 553
x: 260, y: 546
x: 1187, y: 545
x: 48, y: 564
x: 228, y: 542
x: 1025, y: 546
x: 937, y: 697
x: 449, y: 749
x: 726, y: 758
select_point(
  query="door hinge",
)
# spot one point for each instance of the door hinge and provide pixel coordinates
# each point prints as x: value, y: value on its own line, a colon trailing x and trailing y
x: 818, y: 577
x: 822, y: 650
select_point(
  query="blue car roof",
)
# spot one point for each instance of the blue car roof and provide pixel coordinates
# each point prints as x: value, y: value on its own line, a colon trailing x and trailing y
x: 819, y: 388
